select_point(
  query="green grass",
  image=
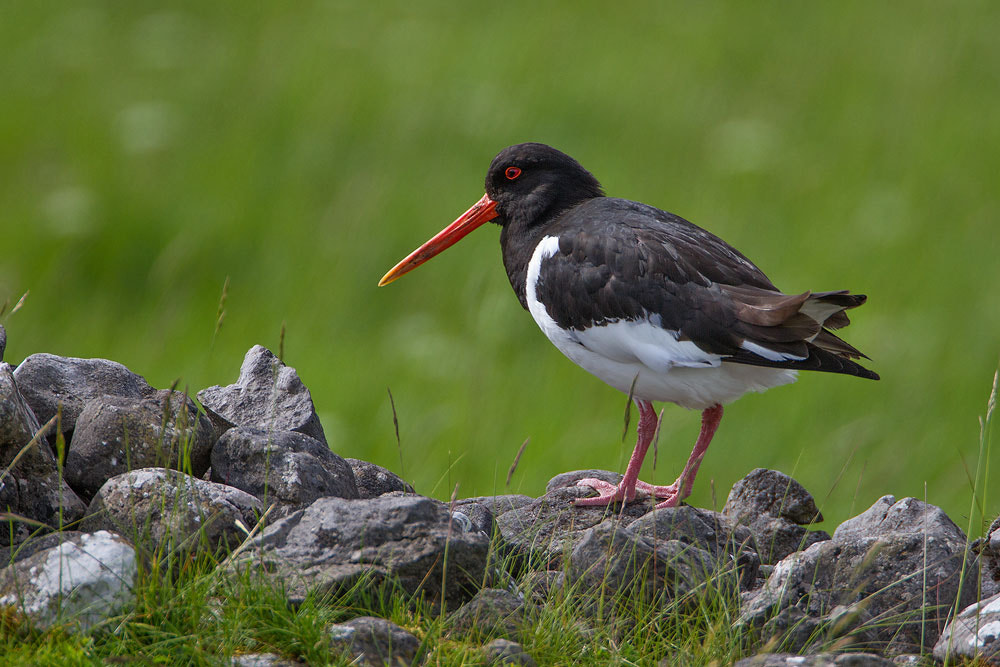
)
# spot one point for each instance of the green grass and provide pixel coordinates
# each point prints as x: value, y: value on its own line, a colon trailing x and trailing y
x: 151, y: 153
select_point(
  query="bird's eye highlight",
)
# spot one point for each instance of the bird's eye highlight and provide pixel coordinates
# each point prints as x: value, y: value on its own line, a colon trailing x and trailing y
x: 512, y: 172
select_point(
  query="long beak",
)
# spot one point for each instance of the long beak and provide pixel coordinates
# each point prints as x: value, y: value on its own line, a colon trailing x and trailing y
x: 481, y: 212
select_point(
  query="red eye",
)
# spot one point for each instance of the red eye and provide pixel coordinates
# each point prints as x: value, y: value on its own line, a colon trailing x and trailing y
x: 512, y: 173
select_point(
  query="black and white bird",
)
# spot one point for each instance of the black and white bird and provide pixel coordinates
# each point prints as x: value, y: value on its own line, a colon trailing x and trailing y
x: 646, y: 301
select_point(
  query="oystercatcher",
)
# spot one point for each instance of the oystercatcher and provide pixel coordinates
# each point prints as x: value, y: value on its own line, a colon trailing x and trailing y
x: 648, y: 302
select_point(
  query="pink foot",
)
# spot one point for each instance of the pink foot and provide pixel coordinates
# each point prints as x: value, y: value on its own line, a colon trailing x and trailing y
x: 610, y: 493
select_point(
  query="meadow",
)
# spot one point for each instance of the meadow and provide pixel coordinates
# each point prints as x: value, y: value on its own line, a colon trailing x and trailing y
x: 180, y: 181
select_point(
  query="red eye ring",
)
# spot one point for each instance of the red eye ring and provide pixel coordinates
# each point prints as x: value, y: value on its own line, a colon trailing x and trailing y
x: 512, y: 173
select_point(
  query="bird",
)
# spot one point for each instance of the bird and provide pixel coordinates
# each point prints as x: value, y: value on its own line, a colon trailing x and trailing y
x: 653, y: 305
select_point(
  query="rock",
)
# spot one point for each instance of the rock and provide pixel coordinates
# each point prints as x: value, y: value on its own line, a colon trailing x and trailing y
x: 973, y: 635
x: 568, y: 479
x: 335, y: 541
x: 505, y: 652
x: 12, y: 554
x: 262, y: 660
x: 815, y: 660
x: 548, y: 527
x: 161, y: 509
x: 499, y: 504
x: 480, y: 518
x: 48, y: 380
x: 539, y: 585
x: 490, y: 613
x: 115, y: 434
x: 877, y: 564
x: 268, y: 395
x: 988, y: 549
x: 771, y: 493
x: 374, y: 481
x: 31, y: 488
x: 283, y: 467
x: 368, y: 640
x: 614, y: 560
x: 3, y: 341
x: 773, y: 506
x: 81, y: 581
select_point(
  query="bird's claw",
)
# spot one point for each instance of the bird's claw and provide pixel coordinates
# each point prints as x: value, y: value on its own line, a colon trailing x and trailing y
x: 608, y: 493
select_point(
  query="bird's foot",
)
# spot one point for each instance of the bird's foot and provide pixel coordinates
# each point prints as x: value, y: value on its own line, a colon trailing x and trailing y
x: 608, y: 493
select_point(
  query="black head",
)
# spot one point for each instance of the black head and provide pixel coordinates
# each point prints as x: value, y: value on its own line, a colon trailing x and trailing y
x: 533, y: 182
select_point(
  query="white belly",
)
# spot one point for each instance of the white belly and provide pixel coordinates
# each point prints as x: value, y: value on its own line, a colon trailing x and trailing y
x: 663, y: 367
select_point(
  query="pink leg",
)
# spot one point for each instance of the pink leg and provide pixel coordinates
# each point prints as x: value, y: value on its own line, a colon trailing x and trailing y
x: 672, y: 495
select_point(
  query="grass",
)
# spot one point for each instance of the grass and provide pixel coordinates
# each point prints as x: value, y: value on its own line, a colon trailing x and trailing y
x: 285, y: 157
x: 156, y: 155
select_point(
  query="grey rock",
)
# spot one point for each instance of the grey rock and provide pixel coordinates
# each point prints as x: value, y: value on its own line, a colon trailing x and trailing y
x: 490, y: 613
x: 775, y: 538
x: 262, y: 660
x: 373, y: 480
x: 613, y: 559
x: 268, y: 395
x: 32, y: 488
x: 771, y: 493
x: 116, y: 434
x: 283, y: 467
x: 81, y: 581
x: 500, y: 504
x: 159, y: 509
x: 479, y: 516
x: 18, y: 552
x: 773, y: 506
x: 48, y: 380
x: 547, y: 528
x: 335, y: 541
x: 568, y: 479
x: 974, y: 634
x: 539, y: 585
x: 368, y: 640
x: 505, y: 652
x: 988, y: 549
x: 3, y: 341
x: 815, y: 660
x: 899, y: 562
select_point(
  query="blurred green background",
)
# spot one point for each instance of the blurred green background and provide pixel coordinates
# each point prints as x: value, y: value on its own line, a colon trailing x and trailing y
x: 151, y: 150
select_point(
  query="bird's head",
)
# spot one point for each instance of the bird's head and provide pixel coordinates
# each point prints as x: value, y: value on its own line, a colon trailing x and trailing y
x: 526, y: 184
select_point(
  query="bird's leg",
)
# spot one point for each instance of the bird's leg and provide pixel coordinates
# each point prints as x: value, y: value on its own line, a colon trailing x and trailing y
x: 681, y: 489
x: 625, y: 490
x: 630, y: 485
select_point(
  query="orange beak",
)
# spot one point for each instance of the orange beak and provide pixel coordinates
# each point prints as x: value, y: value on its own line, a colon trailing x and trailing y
x: 481, y: 212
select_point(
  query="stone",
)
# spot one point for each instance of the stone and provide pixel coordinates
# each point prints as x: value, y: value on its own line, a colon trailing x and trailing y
x: 973, y: 635
x: 32, y: 488
x: 48, y: 381
x: 502, y: 651
x: 160, y: 509
x: 3, y: 341
x: 815, y: 660
x: 491, y: 612
x: 612, y: 559
x: 331, y: 544
x: 898, y: 565
x: 81, y: 582
x: 499, y: 504
x: 988, y: 549
x: 373, y: 480
x: 116, y: 434
x: 373, y: 641
x: 479, y: 518
x: 568, y: 479
x: 774, y: 507
x: 262, y: 660
x: 771, y: 493
x: 18, y: 552
x: 284, y: 467
x: 547, y: 528
x: 268, y: 395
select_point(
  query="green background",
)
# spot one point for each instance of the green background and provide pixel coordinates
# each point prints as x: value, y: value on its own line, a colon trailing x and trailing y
x: 149, y: 151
